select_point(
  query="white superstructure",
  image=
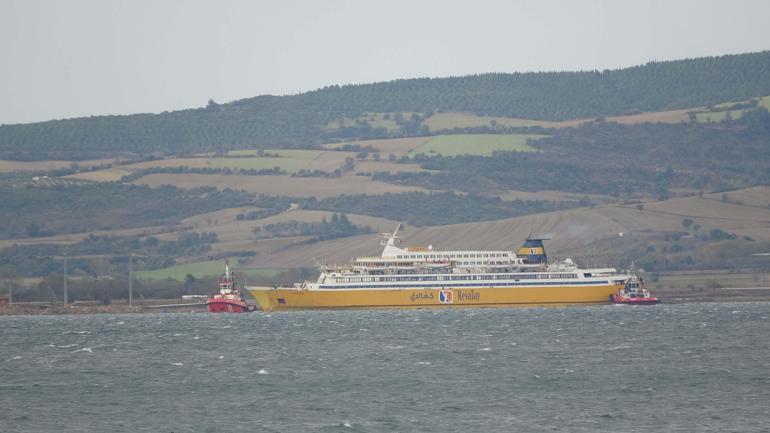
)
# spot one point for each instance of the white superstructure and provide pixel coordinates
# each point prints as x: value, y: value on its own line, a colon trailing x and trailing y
x: 426, y: 268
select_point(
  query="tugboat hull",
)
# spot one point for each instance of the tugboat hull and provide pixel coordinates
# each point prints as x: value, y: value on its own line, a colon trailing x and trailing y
x: 226, y: 306
x: 620, y: 300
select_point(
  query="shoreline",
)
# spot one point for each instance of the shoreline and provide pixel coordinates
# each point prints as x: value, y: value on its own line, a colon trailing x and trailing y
x: 60, y: 310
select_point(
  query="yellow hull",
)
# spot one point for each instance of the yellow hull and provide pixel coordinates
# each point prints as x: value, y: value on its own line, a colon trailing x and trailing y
x: 270, y: 299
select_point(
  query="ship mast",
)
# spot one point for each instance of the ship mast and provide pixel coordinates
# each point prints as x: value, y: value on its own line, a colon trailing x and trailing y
x: 389, y: 242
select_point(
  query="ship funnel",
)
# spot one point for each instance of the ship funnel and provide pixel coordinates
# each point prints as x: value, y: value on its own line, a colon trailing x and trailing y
x: 533, y: 251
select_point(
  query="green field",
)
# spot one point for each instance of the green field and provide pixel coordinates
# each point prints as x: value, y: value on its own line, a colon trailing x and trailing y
x: 765, y: 102
x: 290, y: 160
x: 444, y: 121
x: 476, y: 144
x: 203, y: 269
x: 717, y: 116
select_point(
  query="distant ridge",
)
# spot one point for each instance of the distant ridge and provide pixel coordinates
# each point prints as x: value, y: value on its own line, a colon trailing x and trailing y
x: 300, y: 120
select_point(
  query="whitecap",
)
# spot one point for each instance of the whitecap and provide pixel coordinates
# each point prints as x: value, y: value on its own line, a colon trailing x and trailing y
x: 121, y: 323
x: 85, y: 349
x: 262, y: 371
x: 221, y: 357
x: 423, y: 363
x: 621, y: 347
x: 178, y: 364
x: 347, y: 424
x: 485, y: 349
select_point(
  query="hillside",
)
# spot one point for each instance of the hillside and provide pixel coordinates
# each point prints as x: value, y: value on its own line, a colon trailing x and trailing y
x: 303, y: 120
x: 674, y: 155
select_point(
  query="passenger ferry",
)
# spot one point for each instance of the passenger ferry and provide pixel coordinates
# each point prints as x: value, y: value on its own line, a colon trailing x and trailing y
x: 421, y: 277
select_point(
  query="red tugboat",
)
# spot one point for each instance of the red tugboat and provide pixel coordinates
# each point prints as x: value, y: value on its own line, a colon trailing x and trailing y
x: 228, y: 299
x: 634, y: 293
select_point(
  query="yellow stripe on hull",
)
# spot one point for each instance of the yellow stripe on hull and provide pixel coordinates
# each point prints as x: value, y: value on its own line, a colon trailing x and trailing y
x: 270, y: 299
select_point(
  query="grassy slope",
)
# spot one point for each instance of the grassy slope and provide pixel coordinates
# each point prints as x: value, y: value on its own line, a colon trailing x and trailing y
x: 447, y: 121
x: 571, y: 230
x: 743, y: 212
x: 278, y: 185
x: 395, y: 146
x: 11, y: 166
x: 476, y: 144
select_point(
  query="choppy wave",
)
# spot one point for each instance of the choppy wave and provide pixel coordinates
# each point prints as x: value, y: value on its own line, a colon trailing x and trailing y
x: 665, y: 368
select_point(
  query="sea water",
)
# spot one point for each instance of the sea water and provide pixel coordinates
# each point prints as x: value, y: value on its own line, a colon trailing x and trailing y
x: 693, y: 367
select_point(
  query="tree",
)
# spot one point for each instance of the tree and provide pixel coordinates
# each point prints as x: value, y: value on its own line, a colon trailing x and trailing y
x: 349, y: 164
x: 189, y: 282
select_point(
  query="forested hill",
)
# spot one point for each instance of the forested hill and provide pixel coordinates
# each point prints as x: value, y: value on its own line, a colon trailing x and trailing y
x: 300, y: 120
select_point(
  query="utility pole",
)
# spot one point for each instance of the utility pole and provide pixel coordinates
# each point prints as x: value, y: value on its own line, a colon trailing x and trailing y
x: 66, y: 294
x: 130, y: 280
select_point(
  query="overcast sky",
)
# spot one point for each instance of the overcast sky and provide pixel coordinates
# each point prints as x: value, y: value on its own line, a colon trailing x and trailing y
x: 61, y: 59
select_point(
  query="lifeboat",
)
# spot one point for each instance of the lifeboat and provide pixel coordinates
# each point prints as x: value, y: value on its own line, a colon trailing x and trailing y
x: 634, y: 293
x: 228, y: 298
